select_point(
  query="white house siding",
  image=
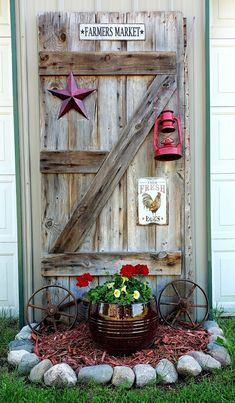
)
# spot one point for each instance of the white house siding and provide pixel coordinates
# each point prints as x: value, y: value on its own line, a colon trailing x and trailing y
x: 222, y: 153
x: 8, y: 227
x: 26, y: 12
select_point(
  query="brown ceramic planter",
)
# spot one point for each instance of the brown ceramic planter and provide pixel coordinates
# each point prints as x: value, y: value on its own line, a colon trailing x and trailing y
x: 123, y: 329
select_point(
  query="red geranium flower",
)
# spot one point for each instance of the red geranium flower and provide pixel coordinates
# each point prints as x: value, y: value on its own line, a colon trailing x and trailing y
x: 127, y: 270
x: 84, y: 280
x: 87, y: 276
x: 142, y: 269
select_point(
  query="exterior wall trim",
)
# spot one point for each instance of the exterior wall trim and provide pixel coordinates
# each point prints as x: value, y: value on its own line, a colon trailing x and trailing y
x: 17, y: 163
x: 208, y: 151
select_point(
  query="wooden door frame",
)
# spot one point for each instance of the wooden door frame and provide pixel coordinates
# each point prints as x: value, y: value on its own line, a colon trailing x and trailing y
x: 208, y: 154
x: 19, y: 207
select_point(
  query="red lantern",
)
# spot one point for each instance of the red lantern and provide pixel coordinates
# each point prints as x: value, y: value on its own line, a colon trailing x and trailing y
x: 166, y: 148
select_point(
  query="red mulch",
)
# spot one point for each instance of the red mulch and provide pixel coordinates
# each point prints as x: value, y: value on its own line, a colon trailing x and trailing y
x: 76, y: 348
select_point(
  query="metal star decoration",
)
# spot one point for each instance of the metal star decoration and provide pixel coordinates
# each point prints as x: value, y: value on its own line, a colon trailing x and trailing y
x: 72, y: 97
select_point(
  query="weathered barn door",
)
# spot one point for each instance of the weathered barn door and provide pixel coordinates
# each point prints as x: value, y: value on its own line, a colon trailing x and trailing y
x: 90, y: 168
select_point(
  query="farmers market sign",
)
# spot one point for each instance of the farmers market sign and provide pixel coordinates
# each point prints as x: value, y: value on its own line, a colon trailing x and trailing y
x: 112, y: 32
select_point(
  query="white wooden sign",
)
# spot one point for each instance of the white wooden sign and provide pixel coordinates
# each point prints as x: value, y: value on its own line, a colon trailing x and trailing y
x: 112, y: 32
x: 152, y: 201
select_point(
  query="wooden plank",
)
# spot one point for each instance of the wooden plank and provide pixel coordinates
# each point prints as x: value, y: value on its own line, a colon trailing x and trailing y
x: 55, y: 208
x: 66, y: 133
x: 171, y: 237
x: 107, y: 63
x: 111, y: 115
x: 188, y: 247
x: 101, y: 264
x: 115, y: 165
x: 140, y: 238
x: 83, y: 134
x: 181, y: 112
x: 111, y: 119
x: 71, y: 161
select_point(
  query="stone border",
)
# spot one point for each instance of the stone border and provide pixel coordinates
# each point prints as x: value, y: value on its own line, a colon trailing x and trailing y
x: 29, y: 364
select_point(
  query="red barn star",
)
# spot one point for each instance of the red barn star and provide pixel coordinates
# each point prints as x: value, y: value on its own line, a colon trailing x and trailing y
x: 72, y: 97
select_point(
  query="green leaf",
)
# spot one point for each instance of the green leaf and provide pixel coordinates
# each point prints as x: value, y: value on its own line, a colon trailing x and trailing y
x: 104, y: 294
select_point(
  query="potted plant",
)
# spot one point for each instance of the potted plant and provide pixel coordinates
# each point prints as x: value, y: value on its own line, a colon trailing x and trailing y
x: 122, y: 311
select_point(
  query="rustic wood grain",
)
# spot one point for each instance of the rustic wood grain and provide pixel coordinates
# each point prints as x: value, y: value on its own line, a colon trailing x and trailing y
x: 55, y: 208
x: 59, y: 32
x: 107, y: 63
x: 105, y: 263
x: 111, y: 120
x: 181, y: 112
x: 189, y: 271
x: 83, y: 134
x: 115, y: 165
x: 71, y: 161
x: 140, y: 238
x: 111, y: 89
x: 110, y: 108
x: 171, y: 237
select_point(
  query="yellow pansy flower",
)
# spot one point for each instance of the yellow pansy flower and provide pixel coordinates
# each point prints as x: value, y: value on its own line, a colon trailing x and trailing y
x: 124, y: 280
x: 117, y: 293
x: 136, y: 294
x: 123, y: 289
x: 110, y: 285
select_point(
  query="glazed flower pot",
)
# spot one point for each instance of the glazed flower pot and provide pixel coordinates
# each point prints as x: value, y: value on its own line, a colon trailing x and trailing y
x: 123, y: 329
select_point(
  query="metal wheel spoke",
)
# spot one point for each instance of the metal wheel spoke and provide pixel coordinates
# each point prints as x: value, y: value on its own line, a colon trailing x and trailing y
x: 189, y: 316
x: 170, y: 314
x: 61, y: 302
x: 39, y: 323
x: 69, y: 315
x: 49, y: 309
x: 175, y: 289
x: 182, y: 311
x: 197, y: 306
x: 37, y: 307
x: 191, y: 291
x: 176, y: 316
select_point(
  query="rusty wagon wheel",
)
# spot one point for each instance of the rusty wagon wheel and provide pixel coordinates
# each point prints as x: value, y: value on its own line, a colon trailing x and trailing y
x: 183, y: 303
x: 48, y: 306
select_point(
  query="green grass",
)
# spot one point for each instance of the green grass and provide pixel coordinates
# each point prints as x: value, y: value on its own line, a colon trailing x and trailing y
x: 8, y: 329
x: 217, y: 387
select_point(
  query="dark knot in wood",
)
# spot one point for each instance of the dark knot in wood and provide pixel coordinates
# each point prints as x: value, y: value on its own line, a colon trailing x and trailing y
x: 44, y: 58
x: 138, y: 126
x: 49, y: 223
x: 63, y: 37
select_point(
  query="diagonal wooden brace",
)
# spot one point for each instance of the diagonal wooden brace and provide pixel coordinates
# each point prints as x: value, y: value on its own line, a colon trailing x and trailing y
x: 115, y: 165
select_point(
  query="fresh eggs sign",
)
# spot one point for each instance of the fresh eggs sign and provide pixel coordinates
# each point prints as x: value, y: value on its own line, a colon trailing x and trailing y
x: 112, y: 32
x: 152, y: 201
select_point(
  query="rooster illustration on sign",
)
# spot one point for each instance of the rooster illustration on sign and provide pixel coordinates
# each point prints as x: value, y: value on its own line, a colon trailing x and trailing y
x: 152, y: 204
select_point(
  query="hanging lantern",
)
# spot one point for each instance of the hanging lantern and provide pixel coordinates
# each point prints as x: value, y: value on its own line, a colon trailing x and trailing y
x: 165, y: 144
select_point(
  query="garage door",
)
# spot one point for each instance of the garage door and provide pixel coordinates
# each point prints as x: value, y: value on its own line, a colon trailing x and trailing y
x: 8, y: 230
x: 223, y: 154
